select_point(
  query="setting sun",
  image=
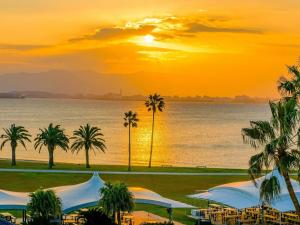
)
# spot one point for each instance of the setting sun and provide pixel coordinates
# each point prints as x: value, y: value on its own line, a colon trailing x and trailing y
x: 149, y: 39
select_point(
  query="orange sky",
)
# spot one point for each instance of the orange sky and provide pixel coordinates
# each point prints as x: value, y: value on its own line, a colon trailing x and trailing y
x: 195, y: 47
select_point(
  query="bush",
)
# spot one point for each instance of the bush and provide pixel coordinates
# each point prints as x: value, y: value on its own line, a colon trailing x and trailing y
x: 37, y: 221
x: 95, y: 216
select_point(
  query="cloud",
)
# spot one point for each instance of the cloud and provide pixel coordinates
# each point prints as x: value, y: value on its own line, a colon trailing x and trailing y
x: 116, y: 32
x: 22, y: 47
x: 198, y: 27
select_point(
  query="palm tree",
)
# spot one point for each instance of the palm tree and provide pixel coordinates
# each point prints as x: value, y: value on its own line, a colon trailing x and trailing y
x: 155, y: 102
x: 89, y: 138
x: 44, y: 205
x: 131, y: 120
x: 116, y: 198
x: 278, y: 148
x: 290, y: 87
x: 51, y: 137
x: 15, y: 135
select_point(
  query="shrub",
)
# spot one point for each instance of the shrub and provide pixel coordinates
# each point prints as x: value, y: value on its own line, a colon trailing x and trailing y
x: 95, y: 216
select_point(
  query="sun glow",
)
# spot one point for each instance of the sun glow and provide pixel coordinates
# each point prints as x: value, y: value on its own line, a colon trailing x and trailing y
x: 149, y: 39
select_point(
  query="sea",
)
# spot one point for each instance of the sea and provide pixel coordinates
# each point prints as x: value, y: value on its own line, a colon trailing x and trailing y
x: 188, y: 134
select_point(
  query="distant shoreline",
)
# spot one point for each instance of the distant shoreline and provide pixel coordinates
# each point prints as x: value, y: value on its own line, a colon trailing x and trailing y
x: 242, y: 99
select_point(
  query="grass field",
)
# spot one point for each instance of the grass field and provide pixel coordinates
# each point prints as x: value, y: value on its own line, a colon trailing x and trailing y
x: 70, y: 166
x: 170, y: 186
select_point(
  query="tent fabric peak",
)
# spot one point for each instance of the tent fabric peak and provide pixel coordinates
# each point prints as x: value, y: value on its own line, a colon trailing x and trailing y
x: 246, y: 194
x: 86, y: 194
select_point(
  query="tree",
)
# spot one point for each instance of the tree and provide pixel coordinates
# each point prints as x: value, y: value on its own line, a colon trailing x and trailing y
x: 155, y: 102
x: 278, y: 141
x: 116, y: 198
x: 15, y: 135
x: 89, y: 138
x: 290, y: 87
x: 51, y: 137
x: 96, y: 216
x: 131, y: 120
x: 44, y: 205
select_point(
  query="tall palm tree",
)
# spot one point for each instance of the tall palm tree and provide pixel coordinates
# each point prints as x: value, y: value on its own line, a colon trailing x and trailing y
x: 89, y: 138
x: 278, y: 141
x: 131, y: 120
x: 44, y: 205
x: 154, y: 102
x: 51, y: 137
x: 15, y: 135
x: 116, y: 198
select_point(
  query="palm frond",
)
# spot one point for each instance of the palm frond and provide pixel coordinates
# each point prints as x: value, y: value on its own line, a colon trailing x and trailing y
x: 270, y: 189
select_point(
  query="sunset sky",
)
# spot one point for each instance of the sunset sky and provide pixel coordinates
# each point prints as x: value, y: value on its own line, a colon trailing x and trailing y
x: 175, y: 47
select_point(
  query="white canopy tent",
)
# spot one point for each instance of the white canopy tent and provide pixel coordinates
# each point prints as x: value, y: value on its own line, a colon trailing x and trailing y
x: 245, y: 194
x: 86, y: 194
x: 142, y: 195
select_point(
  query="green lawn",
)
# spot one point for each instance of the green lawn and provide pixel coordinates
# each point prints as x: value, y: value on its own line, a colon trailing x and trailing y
x: 174, y: 187
x: 70, y: 166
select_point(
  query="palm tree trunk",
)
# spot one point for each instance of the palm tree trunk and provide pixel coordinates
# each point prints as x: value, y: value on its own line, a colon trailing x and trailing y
x: 129, y: 150
x: 119, y: 217
x: 291, y: 192
x: 51, y: 158
x: 114, y: 217
x: 151, y: 146
x: 13, y: 154
x: 87, y: 158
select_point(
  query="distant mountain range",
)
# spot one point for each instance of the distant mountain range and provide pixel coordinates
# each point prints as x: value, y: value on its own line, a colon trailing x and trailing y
x: 66, y: 82
x: 87, y: 85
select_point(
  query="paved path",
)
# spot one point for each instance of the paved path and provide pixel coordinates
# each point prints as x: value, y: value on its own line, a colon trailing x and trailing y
x: 119, y: 172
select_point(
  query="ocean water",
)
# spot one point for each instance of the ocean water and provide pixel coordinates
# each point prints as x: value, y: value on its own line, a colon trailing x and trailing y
x: 186, y: 134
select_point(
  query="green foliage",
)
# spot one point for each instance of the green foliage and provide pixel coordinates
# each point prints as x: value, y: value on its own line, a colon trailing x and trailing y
x: 15, y: 135
x: 270, y: 189
x: 116, y: 198
x: 88, y: 138
x: 290, y: 87
x: 155, y: 102
x: 95, y: 216
x: 130, y: 119
x: 277, y: 140
x: 44, y: 205
x: 51, y: 137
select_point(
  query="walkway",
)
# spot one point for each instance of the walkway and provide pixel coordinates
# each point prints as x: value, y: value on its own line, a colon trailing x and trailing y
x: 120, y: 172
x: 142, y: 216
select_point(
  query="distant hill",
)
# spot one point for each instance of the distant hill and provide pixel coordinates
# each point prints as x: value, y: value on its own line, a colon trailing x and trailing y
x: 65, y: 82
